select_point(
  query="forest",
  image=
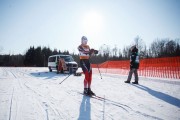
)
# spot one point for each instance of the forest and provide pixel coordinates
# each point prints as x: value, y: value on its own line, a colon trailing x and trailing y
x: 39, y: 56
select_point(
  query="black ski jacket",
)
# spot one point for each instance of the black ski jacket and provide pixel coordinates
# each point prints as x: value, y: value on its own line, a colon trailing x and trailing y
x: 134, y: 60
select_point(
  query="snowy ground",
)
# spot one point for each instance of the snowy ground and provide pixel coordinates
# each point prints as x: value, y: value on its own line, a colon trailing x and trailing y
x: 35, y: 94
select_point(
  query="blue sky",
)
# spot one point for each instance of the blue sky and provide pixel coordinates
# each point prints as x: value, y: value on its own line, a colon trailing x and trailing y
x: 60, y: 24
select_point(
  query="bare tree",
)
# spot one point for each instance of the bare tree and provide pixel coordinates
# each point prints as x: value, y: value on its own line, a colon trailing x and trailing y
x: 120, y: 54
x: 126, y: 52
x: 140, y: 45
x: 154, y: 49
x: 114, y: 50
x: 163, y: 48
x: 171, y: 47
x: 105, y: 51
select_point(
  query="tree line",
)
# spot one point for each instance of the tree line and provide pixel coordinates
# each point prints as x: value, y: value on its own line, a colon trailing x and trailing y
x: 39, y: 56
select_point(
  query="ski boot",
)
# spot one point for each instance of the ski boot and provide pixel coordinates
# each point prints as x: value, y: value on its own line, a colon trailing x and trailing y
x: 136, y: 82
x: 91, y: 93
x: 85, y: 91
x: 127, y: 81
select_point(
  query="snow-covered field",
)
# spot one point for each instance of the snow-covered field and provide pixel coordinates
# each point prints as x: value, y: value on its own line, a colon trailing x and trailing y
x: 35, y: 94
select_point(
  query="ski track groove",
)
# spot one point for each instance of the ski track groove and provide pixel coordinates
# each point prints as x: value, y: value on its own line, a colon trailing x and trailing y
x: 12, y: 101
x: 10, y: 109
x: 51, y: 82
x: 146, y: 115
x: 71, y: 91
x: 48, y: 106
x: 119, y: 105
x: 48, y: 103
x: 111, y: 102
x: 98, y: 101
x: 95, y: 106
x: 5, y: 73
x: 35, y: 92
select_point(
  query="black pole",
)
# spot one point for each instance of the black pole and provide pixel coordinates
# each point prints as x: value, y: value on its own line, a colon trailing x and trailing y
x: 99, y: 70
x: 65, y: 78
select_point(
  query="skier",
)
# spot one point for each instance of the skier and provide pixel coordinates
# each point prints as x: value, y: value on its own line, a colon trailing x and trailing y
x: 84, y: 53
x: 134, y: 65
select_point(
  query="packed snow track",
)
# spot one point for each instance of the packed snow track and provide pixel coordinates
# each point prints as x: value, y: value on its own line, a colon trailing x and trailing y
x: 32, y: 93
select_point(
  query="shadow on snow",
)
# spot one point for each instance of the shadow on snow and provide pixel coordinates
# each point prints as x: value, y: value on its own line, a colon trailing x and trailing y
x: 162, y: 96
x: 85, y: 109
x: 48, y: 75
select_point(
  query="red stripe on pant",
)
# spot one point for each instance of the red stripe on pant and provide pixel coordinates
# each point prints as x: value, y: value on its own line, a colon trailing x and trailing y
x: 88, y: 79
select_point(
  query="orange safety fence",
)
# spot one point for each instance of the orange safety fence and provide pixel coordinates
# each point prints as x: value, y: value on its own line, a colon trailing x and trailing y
x: 153, y: 67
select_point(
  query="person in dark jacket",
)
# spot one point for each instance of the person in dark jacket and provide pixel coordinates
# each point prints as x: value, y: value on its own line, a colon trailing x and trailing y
x: 134, y: 65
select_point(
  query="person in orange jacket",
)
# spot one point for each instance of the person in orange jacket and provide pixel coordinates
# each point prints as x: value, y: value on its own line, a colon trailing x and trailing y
x: 84, y: 54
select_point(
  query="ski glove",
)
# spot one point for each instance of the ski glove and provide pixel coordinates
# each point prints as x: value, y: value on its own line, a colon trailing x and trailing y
x: 93, y: 51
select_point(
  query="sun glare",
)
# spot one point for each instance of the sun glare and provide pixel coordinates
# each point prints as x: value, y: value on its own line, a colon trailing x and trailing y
x: 92, y: 22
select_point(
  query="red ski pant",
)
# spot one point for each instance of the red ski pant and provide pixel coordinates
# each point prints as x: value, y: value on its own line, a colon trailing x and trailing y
x: 88, y: 79
x: 87, y: 70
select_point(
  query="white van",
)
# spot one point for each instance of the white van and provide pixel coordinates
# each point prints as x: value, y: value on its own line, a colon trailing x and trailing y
x: 72, y: 66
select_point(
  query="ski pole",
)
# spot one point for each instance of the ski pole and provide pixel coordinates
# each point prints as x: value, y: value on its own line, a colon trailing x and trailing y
x: 99, y: 70
x: 65, y: 78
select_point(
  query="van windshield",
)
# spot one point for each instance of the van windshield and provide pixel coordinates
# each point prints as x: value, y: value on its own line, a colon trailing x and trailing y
x: 68, y: 58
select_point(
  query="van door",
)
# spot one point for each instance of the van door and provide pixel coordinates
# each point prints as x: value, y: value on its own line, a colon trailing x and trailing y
x: 52, y: 62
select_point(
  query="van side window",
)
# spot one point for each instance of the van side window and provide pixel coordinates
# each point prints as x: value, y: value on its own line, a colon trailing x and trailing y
x: 52, y: 59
